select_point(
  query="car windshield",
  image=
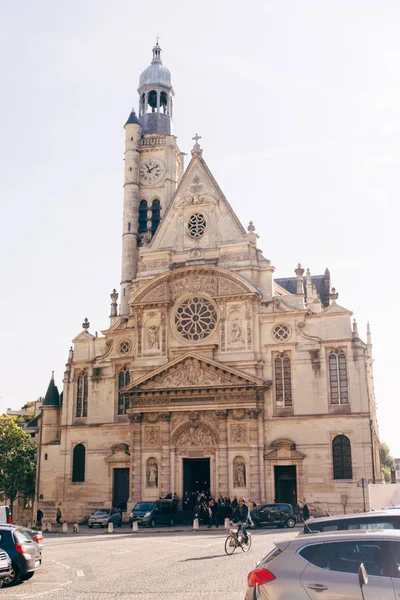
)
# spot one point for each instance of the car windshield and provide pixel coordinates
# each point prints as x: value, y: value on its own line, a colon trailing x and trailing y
x: 101, y: 512
x: 144, y: 506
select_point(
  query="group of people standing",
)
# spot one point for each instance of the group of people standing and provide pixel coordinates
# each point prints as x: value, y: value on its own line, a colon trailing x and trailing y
x: 211, y: 511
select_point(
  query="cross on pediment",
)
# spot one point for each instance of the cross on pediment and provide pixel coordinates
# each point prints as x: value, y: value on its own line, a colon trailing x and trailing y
x: 197, y: 137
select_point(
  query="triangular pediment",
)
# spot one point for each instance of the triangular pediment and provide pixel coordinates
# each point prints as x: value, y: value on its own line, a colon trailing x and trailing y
x: 336, y: 309
x: 198, y: 193
x: 83, y: 336
x: 194, y: 371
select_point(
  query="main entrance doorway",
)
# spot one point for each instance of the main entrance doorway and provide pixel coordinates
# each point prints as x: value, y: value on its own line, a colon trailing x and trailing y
x: 121, y: 488
x: 196, y: 474
x: 285, y: 485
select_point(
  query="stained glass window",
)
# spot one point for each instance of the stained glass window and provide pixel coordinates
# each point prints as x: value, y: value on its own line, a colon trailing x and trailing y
x: 341, y: 454
x: 338, y: 378
x: 78, y: 463
x: 283, y: 381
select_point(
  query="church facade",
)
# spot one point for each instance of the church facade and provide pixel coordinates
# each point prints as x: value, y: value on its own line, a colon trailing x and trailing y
x: 212, y: 374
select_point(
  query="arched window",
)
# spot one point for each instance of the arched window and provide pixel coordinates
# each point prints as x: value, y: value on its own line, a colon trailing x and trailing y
x: 82, y: 393
x: 283, y: 381
x: 124, y: 378
x: 341, y: 456
x: 155, y: 216
x: 338, y: 377
x: 78, y: 463
x: 142, y: 217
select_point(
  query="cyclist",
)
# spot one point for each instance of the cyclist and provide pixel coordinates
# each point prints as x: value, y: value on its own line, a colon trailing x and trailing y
x: 241, y: 516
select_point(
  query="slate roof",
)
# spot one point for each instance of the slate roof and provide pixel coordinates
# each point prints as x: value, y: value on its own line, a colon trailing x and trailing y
x: 321, y: 282
x: 132, y: 118
x: 52, y: 397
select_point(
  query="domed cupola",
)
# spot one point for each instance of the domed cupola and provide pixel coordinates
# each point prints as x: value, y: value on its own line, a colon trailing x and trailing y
x: 155, y: 96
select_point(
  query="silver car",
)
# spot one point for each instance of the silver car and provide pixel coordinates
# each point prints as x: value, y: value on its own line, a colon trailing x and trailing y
x: 5, y: 566
x: 325, y: 567
x: 376, y: 519
x: 104, y: 516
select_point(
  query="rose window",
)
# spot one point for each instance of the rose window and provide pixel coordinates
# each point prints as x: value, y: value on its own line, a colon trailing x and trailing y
x: 281, y: 333
x: 196, y: 318
x: 197, y: 225
x: 124, y: 347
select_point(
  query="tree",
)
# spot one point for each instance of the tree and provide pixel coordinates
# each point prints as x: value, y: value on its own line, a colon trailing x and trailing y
x: 17, y: 462
x: 387, y: 461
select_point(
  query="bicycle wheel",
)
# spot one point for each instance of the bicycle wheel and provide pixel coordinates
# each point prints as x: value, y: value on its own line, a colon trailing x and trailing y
x: 246, y: 546
x: 230, y: 544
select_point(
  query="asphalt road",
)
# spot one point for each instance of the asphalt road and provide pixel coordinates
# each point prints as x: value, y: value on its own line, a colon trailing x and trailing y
x: 148, y: 565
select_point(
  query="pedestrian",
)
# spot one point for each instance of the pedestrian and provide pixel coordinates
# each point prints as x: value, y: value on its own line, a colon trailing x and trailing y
x: 39, y: 517
x: 58, y: 516
x: 234, y: 503
x: 306, y: 512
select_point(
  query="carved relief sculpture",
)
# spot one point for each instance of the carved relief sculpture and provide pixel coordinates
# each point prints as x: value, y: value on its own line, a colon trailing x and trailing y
x: 239, y: 472
x: 153, y: 337
x: 238, y: 433
x: 195, y: 436
x: 152, y: 473
x: 237, y: 332
x: 152, y: 435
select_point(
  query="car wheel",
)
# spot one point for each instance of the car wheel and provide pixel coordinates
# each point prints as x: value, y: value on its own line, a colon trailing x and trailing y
x: 27, y: 576
x: 152, y: 523
x: 90, y: 526
x: 13, y: 578
x: 171, y: 522
x: 120, y: 523
x: 290, y: 523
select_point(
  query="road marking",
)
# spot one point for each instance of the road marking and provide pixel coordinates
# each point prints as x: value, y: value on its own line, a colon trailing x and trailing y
x: 80, y: 573
x: 58, y: 563
x: 121, y: 552
x: 30, y: 595
x: 188, y: 545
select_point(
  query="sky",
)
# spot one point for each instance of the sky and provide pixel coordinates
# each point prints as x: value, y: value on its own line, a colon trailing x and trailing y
x: 298, y: 106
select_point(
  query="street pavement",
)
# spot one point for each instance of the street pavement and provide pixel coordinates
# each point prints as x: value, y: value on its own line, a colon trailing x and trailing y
x: 177, y: 564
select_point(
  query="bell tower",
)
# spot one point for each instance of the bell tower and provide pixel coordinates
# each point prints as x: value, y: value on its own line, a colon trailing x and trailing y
x: 153, y: 168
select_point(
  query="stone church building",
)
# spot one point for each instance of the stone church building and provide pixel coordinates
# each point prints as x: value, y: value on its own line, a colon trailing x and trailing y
x: 212, y: 373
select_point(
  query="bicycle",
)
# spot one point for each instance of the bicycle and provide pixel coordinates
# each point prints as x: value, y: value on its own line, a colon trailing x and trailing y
x: 234, y: 541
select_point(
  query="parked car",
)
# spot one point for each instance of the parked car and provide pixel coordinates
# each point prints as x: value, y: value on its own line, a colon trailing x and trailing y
x: 5, y: 566
x: 382, y: 519
x: 159, y: 512
x: 37, y: 536
x: 325, y: 566
x: 25, y: 554
x: 276, y: 515
x: 104, y: 516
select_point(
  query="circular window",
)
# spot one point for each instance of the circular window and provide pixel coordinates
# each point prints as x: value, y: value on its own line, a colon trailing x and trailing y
x: 281, y: 333
x: 196, y: 318
x: 124, y: 347
x: 197, y: 225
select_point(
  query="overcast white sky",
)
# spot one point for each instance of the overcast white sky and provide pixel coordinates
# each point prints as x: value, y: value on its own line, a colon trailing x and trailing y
x: 298, y: 105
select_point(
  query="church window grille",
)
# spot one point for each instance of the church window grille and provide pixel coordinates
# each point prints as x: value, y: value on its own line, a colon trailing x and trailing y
x: 281, y: 333
x: 78, y: 463
x: 339, y: 389
x: 124, y: 347
x: 142, y: 218
x: 341, y: 455
x: 155, y: 215
x: 124, y: 378
x: 283, y: 381
x: 82, y: 393
x: 196, y: 318
x: 197, y: 225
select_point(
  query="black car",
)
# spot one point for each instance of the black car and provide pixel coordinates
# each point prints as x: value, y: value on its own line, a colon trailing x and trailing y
x: 25, y: 554
x: 158, y: 512
x: 274, y: 515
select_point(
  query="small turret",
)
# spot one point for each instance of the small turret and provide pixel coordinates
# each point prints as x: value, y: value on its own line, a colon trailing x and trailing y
x: 52, y: 397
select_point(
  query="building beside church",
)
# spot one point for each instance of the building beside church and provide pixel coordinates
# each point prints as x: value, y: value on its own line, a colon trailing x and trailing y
x: 212, y: 373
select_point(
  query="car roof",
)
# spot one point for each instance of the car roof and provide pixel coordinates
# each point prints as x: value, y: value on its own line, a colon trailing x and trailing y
x: 373, y: 513
x: 335, y: 536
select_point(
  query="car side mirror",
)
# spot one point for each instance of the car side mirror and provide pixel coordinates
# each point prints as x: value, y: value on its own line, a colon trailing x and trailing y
x: 362, y: 577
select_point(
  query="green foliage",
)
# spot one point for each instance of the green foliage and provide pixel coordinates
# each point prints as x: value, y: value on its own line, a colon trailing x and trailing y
x: 387, y: 461
x: 17, y: 461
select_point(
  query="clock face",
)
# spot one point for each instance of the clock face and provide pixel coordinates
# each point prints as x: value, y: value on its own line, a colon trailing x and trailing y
x: 151, y: 170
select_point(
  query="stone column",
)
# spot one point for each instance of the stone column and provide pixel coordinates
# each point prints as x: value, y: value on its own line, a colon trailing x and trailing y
x: 261, y: 456
x: 222, y: 460
x: 136, y: 461
x: 165, y: 475
x: 253, y: 472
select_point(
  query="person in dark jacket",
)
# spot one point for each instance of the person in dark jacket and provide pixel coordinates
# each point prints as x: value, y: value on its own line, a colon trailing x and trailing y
x: 241, y: 517
x: 306, y: 512
x: 39, y: 517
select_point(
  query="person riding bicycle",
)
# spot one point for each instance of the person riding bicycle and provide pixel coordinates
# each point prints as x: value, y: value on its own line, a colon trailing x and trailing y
x: 241, y: 516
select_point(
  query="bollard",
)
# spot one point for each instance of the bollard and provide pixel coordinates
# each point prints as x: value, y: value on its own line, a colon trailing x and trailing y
x: 75, y: 528
x: 65, y: 527
x: 135, y: 526
x: 195, y: 524
x: 29, y: 526
x: 48, y: 526
x: 227, y: 523
x: 110, y: 527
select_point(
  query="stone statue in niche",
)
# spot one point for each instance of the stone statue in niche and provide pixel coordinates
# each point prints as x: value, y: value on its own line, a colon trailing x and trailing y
x: 237, y: 332
x: 153, y: 337
x: 152, y: 474
x: 240, y: 475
